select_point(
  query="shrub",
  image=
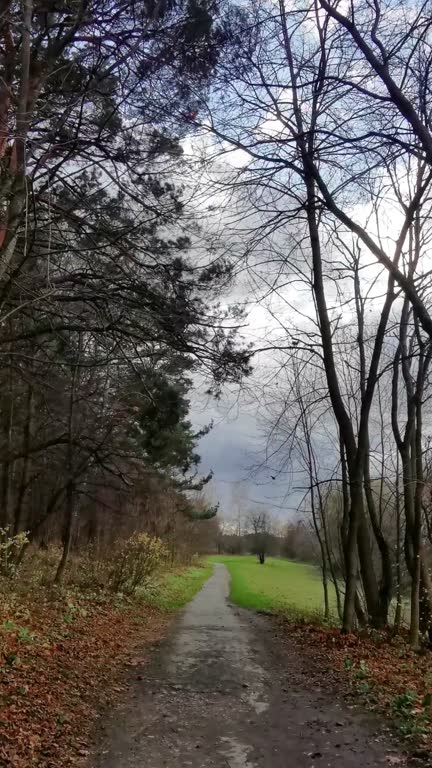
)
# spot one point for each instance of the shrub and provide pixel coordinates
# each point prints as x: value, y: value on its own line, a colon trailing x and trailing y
x: 10, y: 547
x: 40, y: 565
x: 135, y: 562
x: 90, y: 570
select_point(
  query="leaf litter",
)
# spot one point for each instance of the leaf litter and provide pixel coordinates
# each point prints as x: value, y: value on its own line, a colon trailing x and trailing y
x: 59, y: 665
x: 381, y: 670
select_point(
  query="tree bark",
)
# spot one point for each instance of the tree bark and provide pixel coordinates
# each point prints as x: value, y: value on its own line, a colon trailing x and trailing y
x: 70, y: 469
x: 25, y: 462
x: 398, y: 611
x: 7, y: 464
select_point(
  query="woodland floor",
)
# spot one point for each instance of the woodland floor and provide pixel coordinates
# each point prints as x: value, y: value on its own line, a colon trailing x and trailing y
x: 55, y: 675
x: 230, y: 688
x: 222, y: 686
x: 63, y: 656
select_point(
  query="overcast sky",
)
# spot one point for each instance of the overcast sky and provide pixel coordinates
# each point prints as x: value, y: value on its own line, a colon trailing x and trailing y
x: 276, y: 303
x: 236, y: 447
x: 235, y: 450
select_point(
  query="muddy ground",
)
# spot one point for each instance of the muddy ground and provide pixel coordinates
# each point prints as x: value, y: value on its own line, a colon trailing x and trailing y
x: 223, y: 691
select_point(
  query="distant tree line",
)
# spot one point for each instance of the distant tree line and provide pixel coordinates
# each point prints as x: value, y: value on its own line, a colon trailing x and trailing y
x: 258, y: 532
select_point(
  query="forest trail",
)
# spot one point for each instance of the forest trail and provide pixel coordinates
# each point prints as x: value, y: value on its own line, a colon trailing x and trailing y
x: 221, y: 692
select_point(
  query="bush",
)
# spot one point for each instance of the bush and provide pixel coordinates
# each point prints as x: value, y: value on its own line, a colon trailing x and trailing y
x: 135, y: 562
x: 89, y: 570
x: 40, y: 565
x: 10, y: 548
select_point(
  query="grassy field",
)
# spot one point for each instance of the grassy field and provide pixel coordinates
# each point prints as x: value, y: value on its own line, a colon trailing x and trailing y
x: 278, y: 586
x: 176, y: 588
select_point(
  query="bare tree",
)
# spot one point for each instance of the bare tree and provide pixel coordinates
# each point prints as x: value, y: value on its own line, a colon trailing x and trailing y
x: 259, y: 524
x: 300, y: 111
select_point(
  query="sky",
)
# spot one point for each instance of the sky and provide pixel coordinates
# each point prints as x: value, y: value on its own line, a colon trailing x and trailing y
x: 236, y: 449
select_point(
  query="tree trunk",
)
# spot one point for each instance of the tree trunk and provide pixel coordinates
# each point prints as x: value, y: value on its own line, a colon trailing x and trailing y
x: 70, y: 469
x: 370, y: 584
x: 386, y: 586
x: 26, y: 463
x: 325, y: 586
x: 67, y: 533
x: 333, y: 575
x: 349, y: 548
x: 305, y: 141
x: 398, y: 611
x: 5, y: 513
x: 361, y: 616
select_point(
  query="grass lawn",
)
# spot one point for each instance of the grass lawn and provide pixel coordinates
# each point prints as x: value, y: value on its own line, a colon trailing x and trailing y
x: 176, y: 588
x: 278, y: 586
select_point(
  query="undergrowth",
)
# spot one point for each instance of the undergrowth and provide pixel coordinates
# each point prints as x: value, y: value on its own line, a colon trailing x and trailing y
x: 62, y: 648
x: 380, y: 669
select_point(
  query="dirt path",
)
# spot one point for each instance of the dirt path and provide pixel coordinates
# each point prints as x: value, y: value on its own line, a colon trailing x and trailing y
x: 220, y: 693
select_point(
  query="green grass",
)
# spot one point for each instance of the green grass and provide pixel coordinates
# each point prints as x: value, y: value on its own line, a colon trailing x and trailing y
x: 176, y: 588
x: 279, y: 586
